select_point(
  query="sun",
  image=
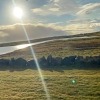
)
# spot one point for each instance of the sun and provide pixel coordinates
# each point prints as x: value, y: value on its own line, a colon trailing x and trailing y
x: 18, y: 12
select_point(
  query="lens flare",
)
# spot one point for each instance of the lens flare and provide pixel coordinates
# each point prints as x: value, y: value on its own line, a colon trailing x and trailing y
x: 18, y: 12
x: 35, y: 58
x: 37, y: 64
x: 73, y: 81
x: 23, y: 46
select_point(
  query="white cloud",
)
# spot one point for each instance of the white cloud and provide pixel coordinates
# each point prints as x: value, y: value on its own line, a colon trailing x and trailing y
x: 83, y: 27
x: 80, y: 20
x: 78, y: 26
x: 37, y: 10
x: 54, y: 9
x: 15, y: 32
x: 95, y: 25
x: 67, y: 5
x: 88, y: 8
x: 3, y: 34
x: 57, y: 7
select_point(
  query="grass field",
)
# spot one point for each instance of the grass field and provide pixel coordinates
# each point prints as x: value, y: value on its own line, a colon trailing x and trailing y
x: 61, y: 48
x: 26, y: 85
x: 62, y: 85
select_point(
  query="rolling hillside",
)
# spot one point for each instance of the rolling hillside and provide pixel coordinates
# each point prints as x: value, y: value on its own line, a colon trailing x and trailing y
x: 63, y: 47
x: 76, y: 84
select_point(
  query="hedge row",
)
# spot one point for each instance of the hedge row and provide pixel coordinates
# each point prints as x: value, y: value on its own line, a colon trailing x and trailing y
x: 53, y: 62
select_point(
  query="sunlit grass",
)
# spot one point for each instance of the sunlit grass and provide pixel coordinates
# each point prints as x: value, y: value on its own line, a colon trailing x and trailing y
x: 26, y: 85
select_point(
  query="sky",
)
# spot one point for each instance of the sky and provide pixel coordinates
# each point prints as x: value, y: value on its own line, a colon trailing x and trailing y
x: 47, y: 18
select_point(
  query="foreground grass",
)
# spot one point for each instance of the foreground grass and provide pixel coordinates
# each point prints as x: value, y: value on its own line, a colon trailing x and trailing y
x: 26, y: 85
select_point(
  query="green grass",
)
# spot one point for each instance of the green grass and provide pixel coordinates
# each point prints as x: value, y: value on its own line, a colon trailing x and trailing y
x: 26, y: 85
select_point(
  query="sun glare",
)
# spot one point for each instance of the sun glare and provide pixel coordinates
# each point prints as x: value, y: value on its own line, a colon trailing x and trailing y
x: 18, y: 12
x: 23, y: 46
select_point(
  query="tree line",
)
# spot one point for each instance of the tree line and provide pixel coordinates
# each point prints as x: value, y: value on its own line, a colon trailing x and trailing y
x: 76, y: 62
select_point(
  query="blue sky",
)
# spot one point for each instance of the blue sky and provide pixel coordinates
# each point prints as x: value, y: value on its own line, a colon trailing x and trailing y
x: 61, y: 17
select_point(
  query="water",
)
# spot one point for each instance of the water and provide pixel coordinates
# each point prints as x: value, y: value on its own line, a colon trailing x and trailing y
x: 8, y: 49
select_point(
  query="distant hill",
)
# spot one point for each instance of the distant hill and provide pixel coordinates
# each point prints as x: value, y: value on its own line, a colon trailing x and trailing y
x: 62, y: 48
x: 95, y: 34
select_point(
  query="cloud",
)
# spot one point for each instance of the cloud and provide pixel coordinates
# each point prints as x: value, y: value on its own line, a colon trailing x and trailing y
x: 2, y: 34
x: 32, y: 3
x: 57, y: 7
x: 37, y: 10
x: 67, y: 5
x: 83, y: 26
x: 16, y: 33
x: 80, y: 21
x: 78, y: 27
x: 88, y: 8
x: 54, y: 9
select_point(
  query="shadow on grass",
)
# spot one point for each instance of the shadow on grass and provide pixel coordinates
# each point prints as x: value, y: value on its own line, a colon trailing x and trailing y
x: 51, y: 69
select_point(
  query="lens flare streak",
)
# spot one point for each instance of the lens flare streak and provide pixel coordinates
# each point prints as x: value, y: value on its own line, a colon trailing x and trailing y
x: 35, y: 58
x: 37, y: 64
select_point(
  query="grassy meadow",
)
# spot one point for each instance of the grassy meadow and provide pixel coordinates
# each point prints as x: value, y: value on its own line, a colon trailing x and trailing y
x: 61, y: 48
x: 62, y: 85
x: 26, y: 85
